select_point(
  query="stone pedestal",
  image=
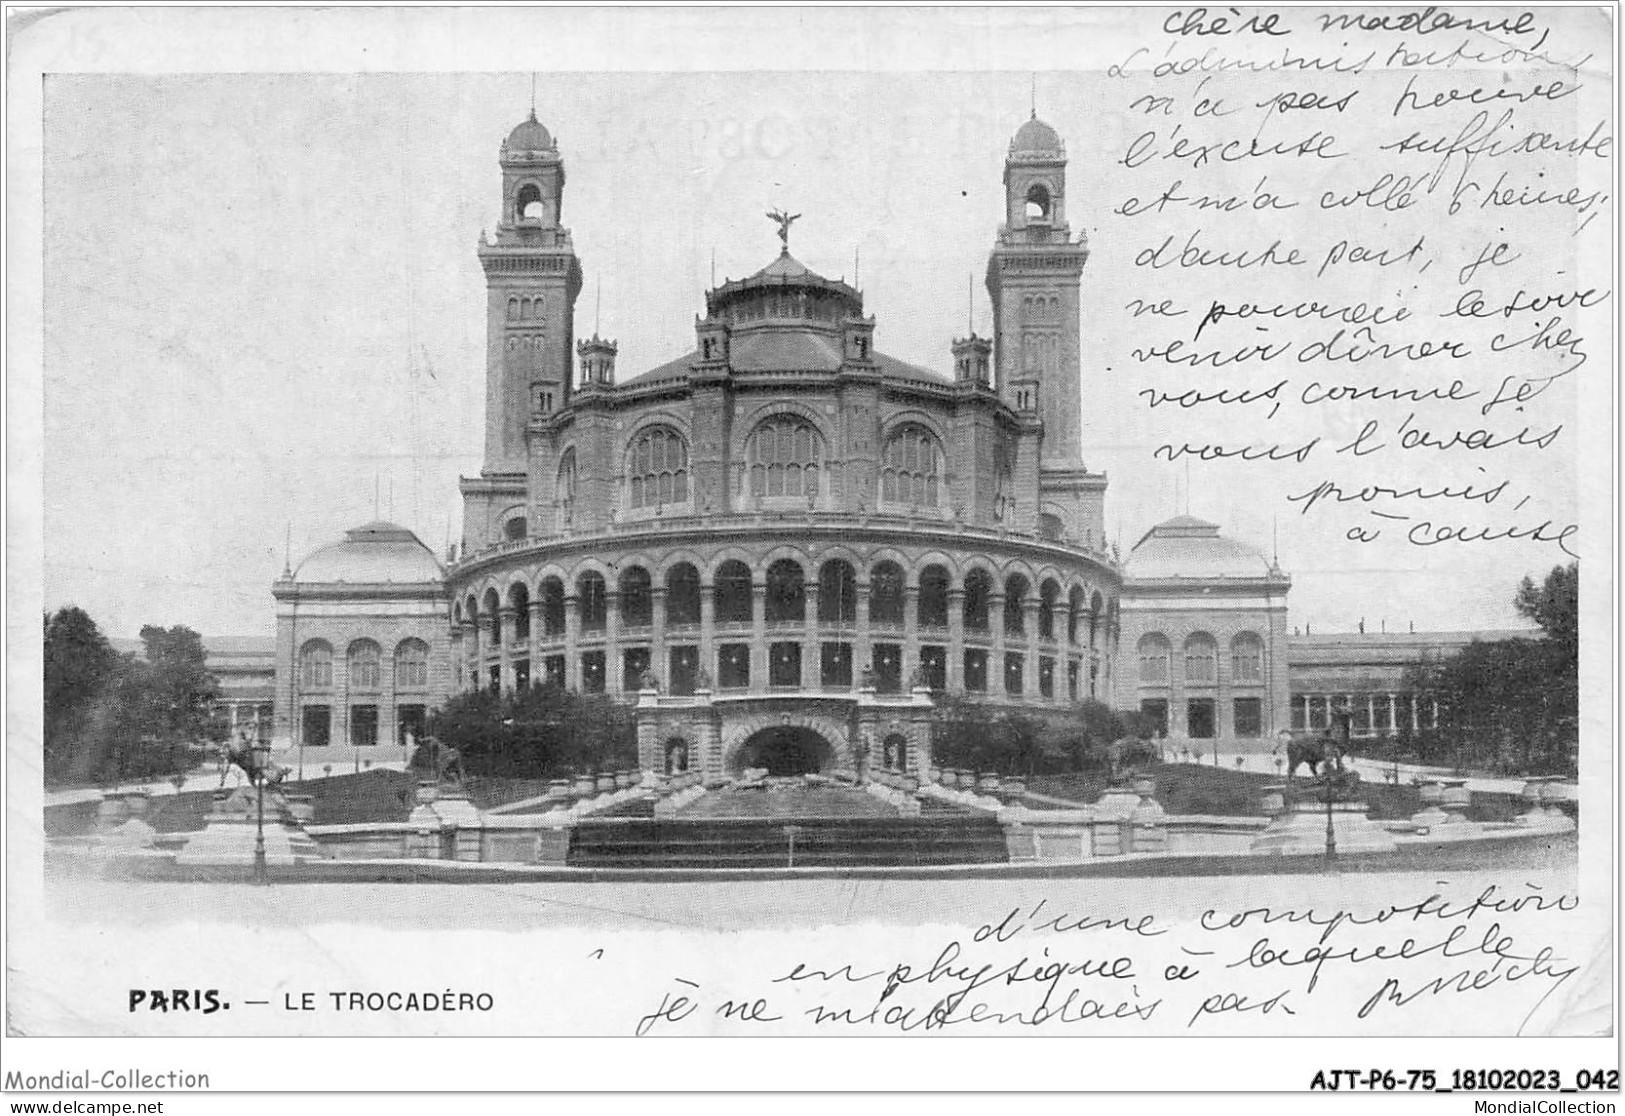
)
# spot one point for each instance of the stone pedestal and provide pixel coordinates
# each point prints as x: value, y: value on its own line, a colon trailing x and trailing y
x: 1455, y: 800
x: 1117, y: 804
x: 121, y: 821
x: 300, y: 808
x: 1146, y: 830
x: 1302, y: 831
x: 228, y: 837
x: 1432, y: 818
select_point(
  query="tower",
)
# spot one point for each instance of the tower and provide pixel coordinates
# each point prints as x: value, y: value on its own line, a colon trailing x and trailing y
x: 532, y: 278
x: 1033, y: 279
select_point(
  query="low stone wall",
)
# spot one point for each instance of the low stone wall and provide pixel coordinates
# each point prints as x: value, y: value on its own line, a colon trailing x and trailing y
x: 446, y: 826
x: 1089, y: 833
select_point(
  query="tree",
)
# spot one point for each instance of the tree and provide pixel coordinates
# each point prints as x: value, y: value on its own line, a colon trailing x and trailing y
x: 114, y: 716
x: 79, y: 665
x: 978, y: 735
x: 1554, y: 605
x: 165, y: 705
x: 178, y: 692
x: 536, y: 732
x: 1512, y: 704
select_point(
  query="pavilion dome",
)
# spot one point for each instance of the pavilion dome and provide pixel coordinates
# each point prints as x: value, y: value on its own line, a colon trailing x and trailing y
x: 1187, y: 547
x: 372, y: 554
x: 530, y: 135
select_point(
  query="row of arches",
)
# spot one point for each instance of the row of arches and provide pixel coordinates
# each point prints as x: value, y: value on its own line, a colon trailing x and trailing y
x: 1041, y: 309
x: 787, y: 586
x: 784, y: 456
x: 524, y: 309
x: 1199, y: 659
x: 364, y: 665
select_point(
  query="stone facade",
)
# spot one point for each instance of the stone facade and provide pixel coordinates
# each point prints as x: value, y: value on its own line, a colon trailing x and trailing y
x: 786, y: 534
x: 362, y: 648
x: 785, y: 519
x: 1204, y: 639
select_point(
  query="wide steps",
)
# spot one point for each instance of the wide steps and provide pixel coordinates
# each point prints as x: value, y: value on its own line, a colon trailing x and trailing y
x: 763, y: 843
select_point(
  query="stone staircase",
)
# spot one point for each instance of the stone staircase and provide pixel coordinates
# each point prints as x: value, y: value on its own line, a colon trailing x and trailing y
x: 940, y: 838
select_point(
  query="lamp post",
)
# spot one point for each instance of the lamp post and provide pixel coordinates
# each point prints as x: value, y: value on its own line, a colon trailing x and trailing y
x: 262, y: 764
x: 1340, y: 718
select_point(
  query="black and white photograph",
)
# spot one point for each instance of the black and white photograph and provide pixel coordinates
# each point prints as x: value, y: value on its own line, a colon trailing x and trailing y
x: 611, y: 525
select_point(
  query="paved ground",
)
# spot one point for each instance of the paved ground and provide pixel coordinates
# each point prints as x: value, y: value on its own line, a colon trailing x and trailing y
x: 736, y: 904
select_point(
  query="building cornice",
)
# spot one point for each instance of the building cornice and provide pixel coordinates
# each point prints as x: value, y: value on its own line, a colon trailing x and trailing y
x: 764, y: 531
x: 289, y: 590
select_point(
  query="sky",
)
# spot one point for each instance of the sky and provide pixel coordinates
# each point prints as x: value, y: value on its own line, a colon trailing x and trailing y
x: 264, y: 315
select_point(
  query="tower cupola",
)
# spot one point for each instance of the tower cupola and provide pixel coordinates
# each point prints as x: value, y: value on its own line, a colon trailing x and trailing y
x: 973, y: 357
x: 597, y: 361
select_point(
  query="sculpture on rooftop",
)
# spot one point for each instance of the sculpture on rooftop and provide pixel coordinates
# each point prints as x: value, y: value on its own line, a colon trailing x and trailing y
x: 785, y: 220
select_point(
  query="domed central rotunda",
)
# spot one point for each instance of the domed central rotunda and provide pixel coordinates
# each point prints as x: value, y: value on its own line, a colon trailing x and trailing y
x: 782, y: 543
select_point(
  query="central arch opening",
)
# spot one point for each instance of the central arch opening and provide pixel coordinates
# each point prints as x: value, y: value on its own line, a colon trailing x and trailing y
x: 785, y: 750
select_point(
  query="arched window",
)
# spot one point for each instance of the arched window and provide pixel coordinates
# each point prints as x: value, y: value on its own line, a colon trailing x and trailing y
x: 528, y: 205
x: 731, y: 590
x: 364, y: 665
x: 1247, y: 658
x: 683, y: 594
x: 490, y: 618
x: 1075, y: 609
x: 1201, y: 659
x: 784, y: 457
x: 786, y: 592
x: 1048, y: 594
x: 1155, y: 651
x: 519, y: 601
x: 978, y: 588
x: 886, y: 594
x: 552, y: 606
x: 837, y: 592
x: 592, y: 601
x: 514, y: 529
x: 1097, y: 616
x: 911, y: 471
x: 676, y: 755
x: 657, y: 468
x: 933, y: 608
x: 1015, y: 591
x: 564, y: 492
x: 1038, y: 202
x: 411, y: 664
x: 637, y: 598
x: 316, y: 665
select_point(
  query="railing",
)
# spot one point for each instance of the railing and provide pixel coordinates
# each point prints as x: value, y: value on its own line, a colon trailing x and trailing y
x: 689, y: 523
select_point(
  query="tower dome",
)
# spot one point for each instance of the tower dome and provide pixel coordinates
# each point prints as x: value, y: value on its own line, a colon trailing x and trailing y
x: 1035, y: 135
x: 530, y: 135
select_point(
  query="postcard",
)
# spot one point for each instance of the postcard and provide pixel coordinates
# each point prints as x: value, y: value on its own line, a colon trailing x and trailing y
x: 615, y: 526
